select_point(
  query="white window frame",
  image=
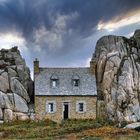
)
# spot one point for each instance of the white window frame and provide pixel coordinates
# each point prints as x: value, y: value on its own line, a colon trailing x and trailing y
x: 51, y: 107
x: 84, y: 106
x: 81, y: 107
x: 54, y: 83
x: 48, y: 109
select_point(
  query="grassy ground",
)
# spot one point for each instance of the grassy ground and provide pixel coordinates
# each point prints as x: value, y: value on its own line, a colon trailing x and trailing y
x: 68, y: 130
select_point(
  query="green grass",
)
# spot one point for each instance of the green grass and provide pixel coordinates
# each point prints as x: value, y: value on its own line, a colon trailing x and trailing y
x: 49, y: 130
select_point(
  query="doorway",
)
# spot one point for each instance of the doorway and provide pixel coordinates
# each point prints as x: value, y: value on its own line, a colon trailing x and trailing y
x: 65, y: 110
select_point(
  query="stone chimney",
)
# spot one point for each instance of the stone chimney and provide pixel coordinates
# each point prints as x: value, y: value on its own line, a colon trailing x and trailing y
x: 92, y: 65
x: 36, y: 67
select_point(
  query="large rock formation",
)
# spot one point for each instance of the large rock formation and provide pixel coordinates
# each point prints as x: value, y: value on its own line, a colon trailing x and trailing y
x: 118, y: 77
x: 16, y: 86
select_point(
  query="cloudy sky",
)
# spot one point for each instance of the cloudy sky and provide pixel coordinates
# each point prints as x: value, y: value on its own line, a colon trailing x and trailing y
x: 64, y: 32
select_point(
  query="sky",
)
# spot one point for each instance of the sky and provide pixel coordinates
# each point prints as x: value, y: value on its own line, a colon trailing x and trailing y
x: 63, y: 33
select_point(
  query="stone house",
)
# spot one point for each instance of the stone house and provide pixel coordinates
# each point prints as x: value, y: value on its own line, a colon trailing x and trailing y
x: 65, y: 93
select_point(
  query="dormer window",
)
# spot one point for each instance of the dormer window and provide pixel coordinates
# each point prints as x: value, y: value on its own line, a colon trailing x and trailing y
x: 75, y: 80
x: 54, y: 81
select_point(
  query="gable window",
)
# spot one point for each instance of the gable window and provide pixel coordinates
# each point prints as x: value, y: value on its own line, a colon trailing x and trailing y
x: 81, y: 106
x: 50, y: 106
x: 54, y: 81
x: 75, y: 80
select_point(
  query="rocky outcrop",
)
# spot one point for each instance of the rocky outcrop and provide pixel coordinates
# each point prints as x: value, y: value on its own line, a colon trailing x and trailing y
x: 118, y: 77
x: 16, y: 86
x: 133, y: 125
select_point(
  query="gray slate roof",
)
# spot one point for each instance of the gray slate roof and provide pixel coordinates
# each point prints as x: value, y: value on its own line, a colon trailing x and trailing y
x: 65, y: 75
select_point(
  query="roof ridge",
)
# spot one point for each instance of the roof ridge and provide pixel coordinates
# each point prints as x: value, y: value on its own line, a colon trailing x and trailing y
x: 64, y: 67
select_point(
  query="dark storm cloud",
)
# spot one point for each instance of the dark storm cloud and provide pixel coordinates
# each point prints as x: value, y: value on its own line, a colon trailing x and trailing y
x: 80, y: 16
x: 26, y: 16
x: 91, y: 11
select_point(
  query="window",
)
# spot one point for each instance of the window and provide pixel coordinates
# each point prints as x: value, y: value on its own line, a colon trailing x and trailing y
x: 80, y: 106
x: 75, y: 82
x: 54, y: 81
x: 50, y: 106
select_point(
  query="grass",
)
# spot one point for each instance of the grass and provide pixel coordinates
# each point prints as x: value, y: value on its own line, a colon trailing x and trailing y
x: 70, y: 129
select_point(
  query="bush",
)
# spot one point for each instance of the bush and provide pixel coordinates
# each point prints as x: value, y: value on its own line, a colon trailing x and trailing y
x: 123, y: 124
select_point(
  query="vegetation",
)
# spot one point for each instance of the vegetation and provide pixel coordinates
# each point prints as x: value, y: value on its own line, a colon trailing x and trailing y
x: 71, y: 129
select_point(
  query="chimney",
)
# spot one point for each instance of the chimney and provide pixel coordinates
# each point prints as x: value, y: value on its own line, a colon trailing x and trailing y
x: 92, y: 65
x: 36, y: 67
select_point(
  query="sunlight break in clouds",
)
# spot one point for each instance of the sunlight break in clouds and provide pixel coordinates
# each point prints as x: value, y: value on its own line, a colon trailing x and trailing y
x: 121, y: 21
x: 8, y: 40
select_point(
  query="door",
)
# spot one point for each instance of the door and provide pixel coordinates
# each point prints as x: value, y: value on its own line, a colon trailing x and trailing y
x: 65, y: 111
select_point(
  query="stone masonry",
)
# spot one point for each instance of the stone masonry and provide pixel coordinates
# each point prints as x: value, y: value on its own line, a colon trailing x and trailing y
x: 40, y: 106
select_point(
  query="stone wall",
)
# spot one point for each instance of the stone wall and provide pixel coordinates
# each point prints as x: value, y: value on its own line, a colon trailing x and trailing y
x: 40, y: 107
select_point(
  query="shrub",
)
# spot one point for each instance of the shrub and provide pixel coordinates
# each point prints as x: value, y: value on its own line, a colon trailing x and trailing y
x: 123, y: 124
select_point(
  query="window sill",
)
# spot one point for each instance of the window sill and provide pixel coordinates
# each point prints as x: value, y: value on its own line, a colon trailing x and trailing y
x: 54, y: 87
x: 81, y: 112
x: 50, y: 112
x: 76, y: 87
